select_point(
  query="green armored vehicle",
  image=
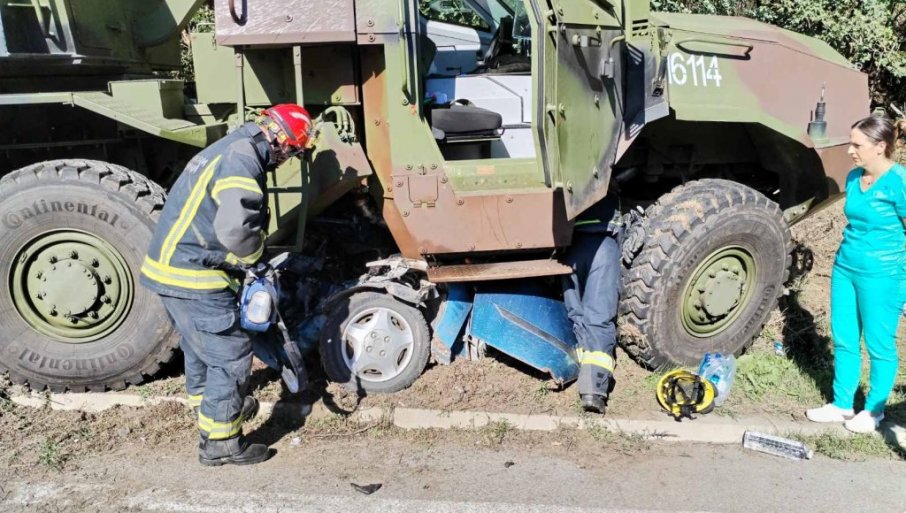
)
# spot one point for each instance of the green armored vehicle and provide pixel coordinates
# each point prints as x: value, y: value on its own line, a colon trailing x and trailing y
x: 468, y: 134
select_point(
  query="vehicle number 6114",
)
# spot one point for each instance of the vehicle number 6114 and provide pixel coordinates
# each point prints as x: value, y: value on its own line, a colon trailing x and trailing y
x: 694, y: 69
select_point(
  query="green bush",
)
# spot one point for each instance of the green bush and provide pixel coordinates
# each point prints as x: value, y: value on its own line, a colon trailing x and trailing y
x: 870, y: 33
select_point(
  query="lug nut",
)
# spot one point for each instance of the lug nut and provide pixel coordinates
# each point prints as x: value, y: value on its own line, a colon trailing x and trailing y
x: 697, y: 305
x: 386, y: 339
x: 73, y: 254
x: 94, y: 315
x: 39, y: 295
x: 94, y: 262
x: 712, y: 274
x: 373, y: 335
x: 368, y: 349
x: 106, y: 299
x: 383, y: 353
x: 39, y: 275
x: 107, y: 279
x: 52, y: 259
x: 73, y: 320
x: 53, y: 310
x: 725, y: 267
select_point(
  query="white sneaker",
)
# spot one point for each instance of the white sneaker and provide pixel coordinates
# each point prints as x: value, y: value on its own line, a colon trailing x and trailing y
x: 829, y: 413
x: 864, y: 422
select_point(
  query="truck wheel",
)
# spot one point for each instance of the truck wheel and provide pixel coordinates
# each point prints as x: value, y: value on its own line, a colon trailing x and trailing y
x: 73, y: 234
x: 714, y: 262
x: 374, y: 343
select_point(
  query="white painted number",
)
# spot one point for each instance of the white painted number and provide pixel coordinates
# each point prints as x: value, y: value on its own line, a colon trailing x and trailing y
x: 703, y: 74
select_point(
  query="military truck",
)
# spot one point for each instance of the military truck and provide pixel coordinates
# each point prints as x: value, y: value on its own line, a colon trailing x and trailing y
x: 470, y: 132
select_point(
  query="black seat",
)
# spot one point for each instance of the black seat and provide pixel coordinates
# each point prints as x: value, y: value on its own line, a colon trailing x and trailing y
x: 466, y: 120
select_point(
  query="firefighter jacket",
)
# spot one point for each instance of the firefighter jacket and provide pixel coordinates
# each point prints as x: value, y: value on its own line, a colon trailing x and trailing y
x: 602, y: 217
x: 213, y: 220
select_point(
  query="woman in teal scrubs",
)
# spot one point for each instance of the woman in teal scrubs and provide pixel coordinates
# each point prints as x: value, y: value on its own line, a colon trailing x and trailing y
x: 868, y: 284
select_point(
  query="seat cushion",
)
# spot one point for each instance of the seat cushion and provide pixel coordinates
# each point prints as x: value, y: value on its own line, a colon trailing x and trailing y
x: 465, y: 119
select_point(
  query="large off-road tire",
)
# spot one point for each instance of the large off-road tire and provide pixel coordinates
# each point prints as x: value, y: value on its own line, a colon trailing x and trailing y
x: 388, y: 339
x: 714, y: 261
x: 73, y: 235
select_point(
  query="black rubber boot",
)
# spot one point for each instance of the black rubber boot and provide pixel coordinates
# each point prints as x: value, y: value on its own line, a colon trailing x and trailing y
x: 593, y: 403
x: 232, y: 451
x: 249, y: 411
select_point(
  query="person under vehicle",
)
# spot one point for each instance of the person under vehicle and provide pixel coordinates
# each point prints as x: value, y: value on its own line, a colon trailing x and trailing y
x: 591, y: 294
x: 211, y: 227
x: 868, y: 282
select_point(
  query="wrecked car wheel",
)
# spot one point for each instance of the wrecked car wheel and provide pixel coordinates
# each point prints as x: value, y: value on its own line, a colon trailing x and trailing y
x: 713, y: 264
x: 374, y: 343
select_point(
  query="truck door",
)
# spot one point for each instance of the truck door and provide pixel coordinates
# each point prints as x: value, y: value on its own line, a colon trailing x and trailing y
x: 583, y: 109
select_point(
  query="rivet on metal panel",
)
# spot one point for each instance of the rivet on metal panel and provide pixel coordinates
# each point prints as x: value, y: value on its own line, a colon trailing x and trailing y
x: 405, y: 213
x: 433, y: 166
x: 399, y: 183
x: 409, y: 167
x: 377, y: 122
x: 471, y: 247
x: 560, y: 10
x: 596, y: 173
x: 389, y: 188
x: 443, y: 179
x: 370, y: 23
x: 289, y: 18
x: 596, y: 15
x: 422, y: 250
x: 405, y: 101
x: 518, y: 245
x: 509, y: 199
x: 371, y: 38
x: 597, y: 101
x: 569, y: 186
x: 460, y: 202
x: 421, y: 169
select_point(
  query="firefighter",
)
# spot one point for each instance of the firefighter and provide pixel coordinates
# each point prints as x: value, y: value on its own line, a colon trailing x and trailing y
x: 212, y: 225
x: 591, y: 294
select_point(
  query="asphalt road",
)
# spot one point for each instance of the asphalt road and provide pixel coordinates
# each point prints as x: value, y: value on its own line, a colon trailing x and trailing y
x: 445, y: 476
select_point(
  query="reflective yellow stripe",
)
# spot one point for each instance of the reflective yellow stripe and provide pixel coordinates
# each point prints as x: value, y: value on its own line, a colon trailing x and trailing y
x: 251, y: 259
x: 188, y: 213
x: 187, y: 278
x: 194, y: 400
x: 234, y: 182
x: 590, y: 221
x: 219, y: 430
x: 596, y: 358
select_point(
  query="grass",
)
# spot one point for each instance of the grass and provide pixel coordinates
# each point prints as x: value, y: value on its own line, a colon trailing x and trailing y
x: 51, y: 455
x: 494, y: 433
x: 848, y: 448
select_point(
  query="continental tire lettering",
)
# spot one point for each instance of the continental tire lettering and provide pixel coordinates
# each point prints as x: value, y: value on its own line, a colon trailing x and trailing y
x: 14, y: 219
x: 39, y: 361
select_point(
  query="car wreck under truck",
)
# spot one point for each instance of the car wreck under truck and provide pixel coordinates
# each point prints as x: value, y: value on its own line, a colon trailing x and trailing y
x: 450, y: 162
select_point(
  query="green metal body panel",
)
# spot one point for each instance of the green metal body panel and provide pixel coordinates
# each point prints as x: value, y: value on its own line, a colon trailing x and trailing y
x: 614, y: 87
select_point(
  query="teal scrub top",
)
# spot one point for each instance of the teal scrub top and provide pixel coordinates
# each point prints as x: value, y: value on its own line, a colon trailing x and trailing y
x: 874, y: 241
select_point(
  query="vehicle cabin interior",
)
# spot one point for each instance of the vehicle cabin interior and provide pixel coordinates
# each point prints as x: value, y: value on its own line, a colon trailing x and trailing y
x: 478, y: 86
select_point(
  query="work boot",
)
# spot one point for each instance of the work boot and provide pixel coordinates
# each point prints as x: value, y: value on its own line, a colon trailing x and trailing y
x: 593, y: 403
x: 249, y: 411
x: 232, y: 451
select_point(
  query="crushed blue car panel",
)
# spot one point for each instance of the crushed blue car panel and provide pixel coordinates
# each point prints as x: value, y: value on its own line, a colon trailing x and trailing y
x: 516, y: 318
x: 448, y: 330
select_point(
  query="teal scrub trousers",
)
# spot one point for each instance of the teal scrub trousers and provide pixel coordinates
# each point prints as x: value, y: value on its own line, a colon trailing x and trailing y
x: 868, y: 287
x: 869, y: 307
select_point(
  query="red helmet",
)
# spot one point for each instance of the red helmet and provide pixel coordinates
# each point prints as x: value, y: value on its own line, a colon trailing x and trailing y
x: 294, y: 122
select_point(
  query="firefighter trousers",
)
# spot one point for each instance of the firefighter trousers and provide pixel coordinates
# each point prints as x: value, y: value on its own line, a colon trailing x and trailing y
x: 218, y: 360
x: 591, y: 294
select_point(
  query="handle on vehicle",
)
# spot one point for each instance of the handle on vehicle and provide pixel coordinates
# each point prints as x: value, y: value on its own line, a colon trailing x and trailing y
x: 238, y: 19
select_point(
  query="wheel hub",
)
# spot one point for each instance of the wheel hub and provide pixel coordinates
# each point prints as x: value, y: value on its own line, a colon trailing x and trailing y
x: 379, y: 344
x: 718, y: 289
x: 71, y: 285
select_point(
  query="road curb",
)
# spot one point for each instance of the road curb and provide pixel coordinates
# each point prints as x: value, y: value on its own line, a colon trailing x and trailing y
x: 705, y: 429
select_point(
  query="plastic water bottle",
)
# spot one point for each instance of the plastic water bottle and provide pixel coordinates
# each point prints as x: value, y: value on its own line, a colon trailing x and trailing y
x: 719, y: 370
x: 776, y: 445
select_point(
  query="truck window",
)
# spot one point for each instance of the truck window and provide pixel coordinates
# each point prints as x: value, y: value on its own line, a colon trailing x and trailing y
x: 454, y: 12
